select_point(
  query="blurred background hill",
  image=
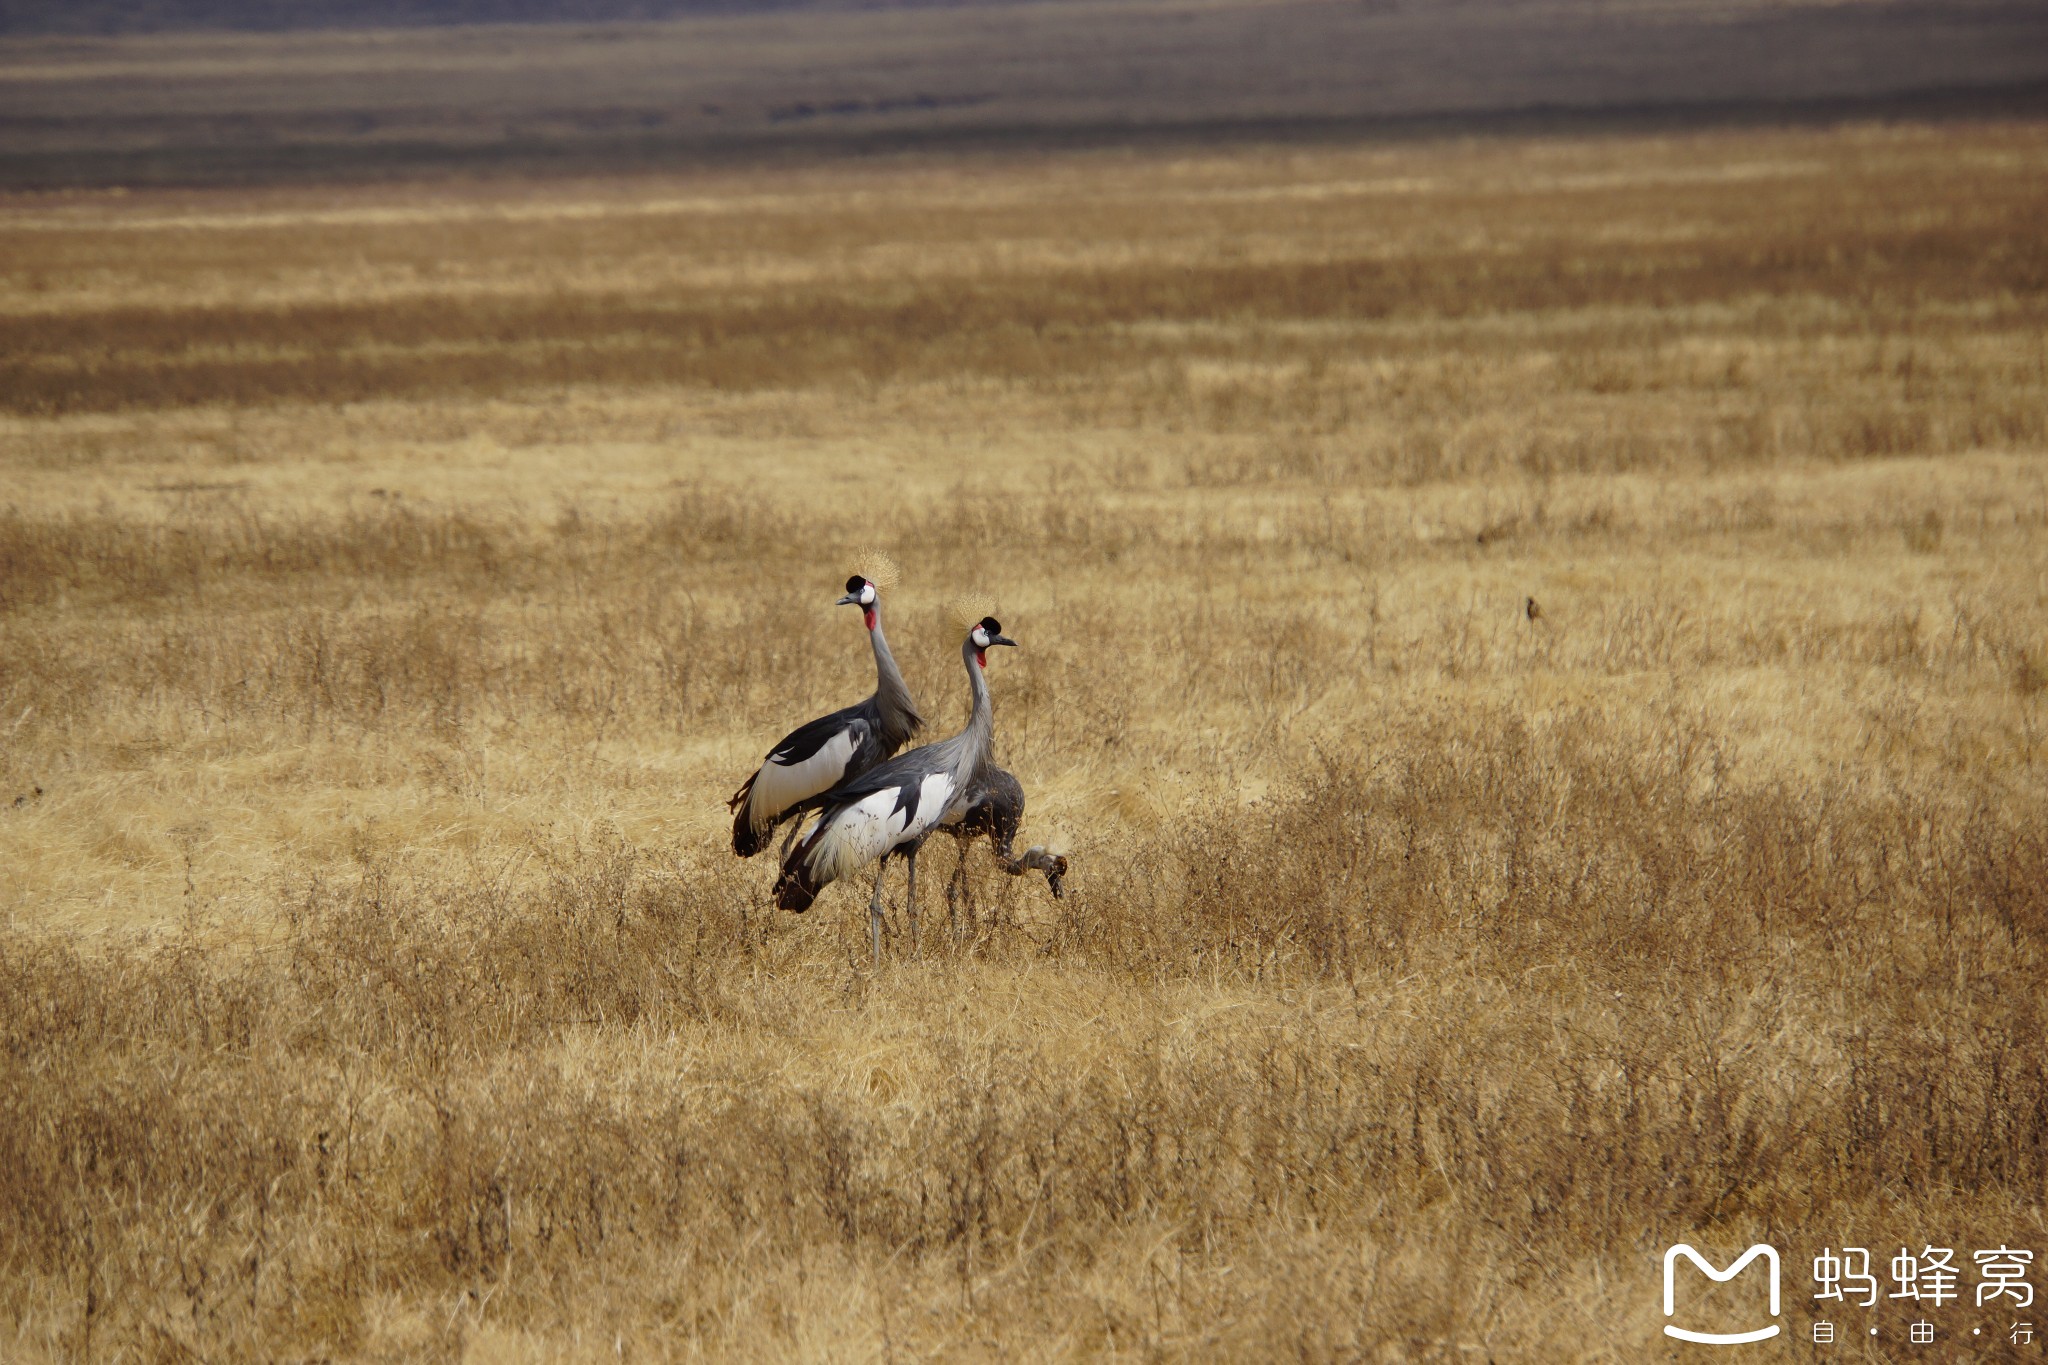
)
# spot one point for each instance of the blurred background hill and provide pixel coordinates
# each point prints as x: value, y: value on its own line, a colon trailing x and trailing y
x: 274, y: 16
x: 206, y: 91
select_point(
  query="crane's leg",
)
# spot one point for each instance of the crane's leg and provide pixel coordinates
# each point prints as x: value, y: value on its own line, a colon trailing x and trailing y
x: 967, y: 890
x: 953, y: 893
x: 875, y: 911
x: 910, y: 896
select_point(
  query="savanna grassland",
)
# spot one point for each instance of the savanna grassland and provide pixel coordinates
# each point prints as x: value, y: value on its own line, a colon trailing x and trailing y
x: 394, y: 581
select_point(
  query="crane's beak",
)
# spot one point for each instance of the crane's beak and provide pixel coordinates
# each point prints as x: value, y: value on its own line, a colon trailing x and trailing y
x: 1002, y: 640
x: 850, y: 600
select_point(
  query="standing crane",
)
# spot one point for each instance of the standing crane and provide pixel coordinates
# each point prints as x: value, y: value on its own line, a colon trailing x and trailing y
x: 814, y: 758
x: 890, y: 809
x: 995, y: 809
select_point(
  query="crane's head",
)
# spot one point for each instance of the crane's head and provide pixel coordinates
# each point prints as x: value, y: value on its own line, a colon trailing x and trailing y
x: 860, y: 592
x: 872, y: 572
x: 984, y: 633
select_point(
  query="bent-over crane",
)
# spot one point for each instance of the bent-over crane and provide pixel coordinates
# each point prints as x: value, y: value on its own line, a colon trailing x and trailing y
x: 995, y: 809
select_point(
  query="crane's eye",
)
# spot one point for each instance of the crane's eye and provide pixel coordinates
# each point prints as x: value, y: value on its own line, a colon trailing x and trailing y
x: 867, y: 594
x: 980, y: 638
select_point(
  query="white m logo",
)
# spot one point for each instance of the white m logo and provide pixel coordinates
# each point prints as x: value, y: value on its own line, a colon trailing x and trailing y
x: 1671, y: 1255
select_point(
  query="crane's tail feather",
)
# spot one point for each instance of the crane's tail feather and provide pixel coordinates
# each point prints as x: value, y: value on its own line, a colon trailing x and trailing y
x: 799, y: 883
x: 794, y: 889
x: 747, y: 840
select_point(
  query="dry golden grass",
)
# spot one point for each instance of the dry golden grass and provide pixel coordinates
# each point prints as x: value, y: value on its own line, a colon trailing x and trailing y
x: 393, y: 584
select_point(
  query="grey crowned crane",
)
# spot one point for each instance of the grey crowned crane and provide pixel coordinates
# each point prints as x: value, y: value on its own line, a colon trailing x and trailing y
x: 814, y: 758
x: 995, y: 809
x: 891, y: 809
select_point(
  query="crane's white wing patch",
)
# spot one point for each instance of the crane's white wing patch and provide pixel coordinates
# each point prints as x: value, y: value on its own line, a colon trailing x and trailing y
x: 872, y: 826
x: 932, y: 797
x: 779, y: 786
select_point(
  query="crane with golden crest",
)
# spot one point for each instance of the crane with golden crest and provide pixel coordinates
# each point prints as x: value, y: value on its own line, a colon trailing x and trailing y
x: 820, y: 755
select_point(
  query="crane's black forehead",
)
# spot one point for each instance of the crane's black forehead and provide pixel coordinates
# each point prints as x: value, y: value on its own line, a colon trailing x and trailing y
x: 856, y: 583
x: 991, y: 625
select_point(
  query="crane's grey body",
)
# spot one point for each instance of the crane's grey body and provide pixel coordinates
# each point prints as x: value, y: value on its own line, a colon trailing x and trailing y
x: 995, y: 810
x: 814, y: 758
x: 891, y: 808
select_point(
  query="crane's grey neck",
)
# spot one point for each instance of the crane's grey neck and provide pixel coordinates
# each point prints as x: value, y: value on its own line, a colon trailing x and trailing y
x: 966, y: 754
x: 981, y: 719
x: 900, y: 718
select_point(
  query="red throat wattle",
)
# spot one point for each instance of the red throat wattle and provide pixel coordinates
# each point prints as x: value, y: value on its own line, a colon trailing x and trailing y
x: 981, y: 657
x: 868, y: 613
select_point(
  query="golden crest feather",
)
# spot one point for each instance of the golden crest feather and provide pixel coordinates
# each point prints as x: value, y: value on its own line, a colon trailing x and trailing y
x: 876, y: 567
x: 967, y: 609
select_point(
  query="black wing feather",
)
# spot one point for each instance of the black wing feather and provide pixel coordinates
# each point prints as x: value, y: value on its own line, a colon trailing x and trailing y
x: 804, y: 741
